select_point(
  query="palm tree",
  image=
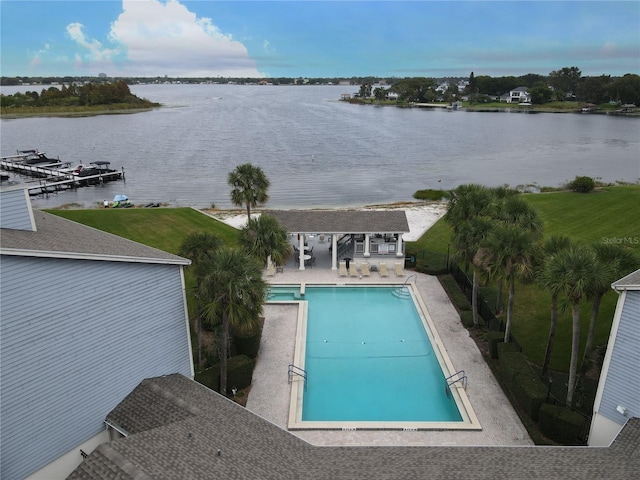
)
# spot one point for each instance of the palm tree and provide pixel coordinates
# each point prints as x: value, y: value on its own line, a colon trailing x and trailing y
x: 249, y: 186
x: 513, y: 210
x: 199, y: 247
x: 265, y: 238
x: 512, y: 249
x: 233, y: 292
x: 551, y: 247
x: 468, y: 239
x: 615, y: 262
x: 467, y: 202
x: 573, y: 270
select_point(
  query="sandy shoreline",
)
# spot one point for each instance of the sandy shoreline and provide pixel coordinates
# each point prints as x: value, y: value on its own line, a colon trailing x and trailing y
x: 420, y: 216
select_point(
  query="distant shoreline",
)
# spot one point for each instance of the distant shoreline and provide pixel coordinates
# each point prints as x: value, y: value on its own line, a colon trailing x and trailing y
x: 88, y: 113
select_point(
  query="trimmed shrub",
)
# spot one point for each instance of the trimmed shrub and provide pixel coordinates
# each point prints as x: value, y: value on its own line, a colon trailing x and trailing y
x: 248, y: 345
x: 466, y: 316
x: 456, y: 295
x: 582, y: 184
x: 239, y: 372
x: 530, y: 393
x: 513, y: 363
x: 494, y: 339
x: 210, y: 377
x: 527, y: 388
x: 560, y: 424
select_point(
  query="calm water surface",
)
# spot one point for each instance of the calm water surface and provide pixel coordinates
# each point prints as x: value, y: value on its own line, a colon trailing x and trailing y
x: 318, y: 151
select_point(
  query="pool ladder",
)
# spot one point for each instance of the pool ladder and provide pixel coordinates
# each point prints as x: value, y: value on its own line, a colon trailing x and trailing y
x: 403, y: 291
x: 459, y: 376
x: 297, y: 371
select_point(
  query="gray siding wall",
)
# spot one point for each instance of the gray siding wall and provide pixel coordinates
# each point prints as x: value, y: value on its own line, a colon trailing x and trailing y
x: 14, y: 210
x: 76, y: 337
x: 622, y: 386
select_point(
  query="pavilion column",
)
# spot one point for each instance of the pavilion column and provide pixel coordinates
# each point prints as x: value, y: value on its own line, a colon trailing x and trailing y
x: 399, y: 252
x: 301, y: 247
x: 334, y: 251
x: 367, y: 240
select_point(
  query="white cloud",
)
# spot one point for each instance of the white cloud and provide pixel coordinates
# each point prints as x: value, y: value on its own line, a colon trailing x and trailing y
x: 37, y: 56
x: 96, y: 51
x: 167, y: 39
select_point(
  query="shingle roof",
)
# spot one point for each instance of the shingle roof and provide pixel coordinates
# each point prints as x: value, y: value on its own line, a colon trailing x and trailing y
x: 253, y: 448
x: 59, y: 237
x: 342, y: 221
x: 630, y: 282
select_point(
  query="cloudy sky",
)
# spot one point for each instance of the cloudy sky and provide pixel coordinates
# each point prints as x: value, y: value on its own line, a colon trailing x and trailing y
x: 298, y: 38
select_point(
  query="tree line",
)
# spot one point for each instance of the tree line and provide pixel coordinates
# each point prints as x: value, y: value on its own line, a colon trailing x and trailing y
x: 499, y: 237
x: 90, y: 94
x: 560, y: 85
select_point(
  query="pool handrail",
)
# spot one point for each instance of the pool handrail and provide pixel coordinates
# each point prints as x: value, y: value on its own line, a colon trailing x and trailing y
x: 295, y: 370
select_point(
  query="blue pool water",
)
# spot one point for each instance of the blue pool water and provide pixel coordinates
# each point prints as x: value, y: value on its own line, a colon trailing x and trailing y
x: 368, y: 358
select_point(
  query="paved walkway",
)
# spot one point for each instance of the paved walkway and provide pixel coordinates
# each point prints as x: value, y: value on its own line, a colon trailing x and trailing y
x: 270, y: 393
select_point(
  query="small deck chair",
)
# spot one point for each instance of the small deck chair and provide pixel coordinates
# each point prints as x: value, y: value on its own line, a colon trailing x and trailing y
x: 353, y: 269
x: 342, y: 269
x: 399, y: 269
x: 384, y: 272
x: 364, y: 268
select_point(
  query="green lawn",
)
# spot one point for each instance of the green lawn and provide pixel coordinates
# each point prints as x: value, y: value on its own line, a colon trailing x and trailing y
x: 609, y: 214
x: 163, y: 228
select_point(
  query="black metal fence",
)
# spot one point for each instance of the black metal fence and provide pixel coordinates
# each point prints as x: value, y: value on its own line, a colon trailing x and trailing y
x: 492, y: 322
x: 441, y: 261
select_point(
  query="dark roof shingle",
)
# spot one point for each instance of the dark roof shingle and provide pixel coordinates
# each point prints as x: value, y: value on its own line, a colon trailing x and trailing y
x: 57, y: 236
x: 252, y: 447
x: 342, y: 221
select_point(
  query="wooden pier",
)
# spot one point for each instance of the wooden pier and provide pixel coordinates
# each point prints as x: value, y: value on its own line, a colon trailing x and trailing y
x: 52, y: 179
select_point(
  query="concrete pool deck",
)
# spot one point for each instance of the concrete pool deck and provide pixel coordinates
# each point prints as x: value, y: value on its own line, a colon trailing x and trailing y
x: 270, y: 393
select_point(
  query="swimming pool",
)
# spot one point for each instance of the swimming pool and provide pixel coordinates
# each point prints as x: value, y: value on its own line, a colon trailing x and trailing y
x: 371, y: 361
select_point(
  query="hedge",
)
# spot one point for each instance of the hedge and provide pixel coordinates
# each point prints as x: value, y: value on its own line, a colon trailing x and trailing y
x: 210, y: 377
x: 525, y: 385
x: 466, y: 316
x: 494, y: 339
x: 513, y: 363
x: 503, y: 348
x: 248, y: 345
x: 561, y: 424
x: 457, y: 297
x: 530, y: 392
x: 239, y: 372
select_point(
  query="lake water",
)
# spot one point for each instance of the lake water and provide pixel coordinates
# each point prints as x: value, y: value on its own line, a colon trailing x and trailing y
x: 318, y: 151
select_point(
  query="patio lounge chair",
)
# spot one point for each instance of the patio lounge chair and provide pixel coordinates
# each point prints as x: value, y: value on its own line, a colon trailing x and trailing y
x: 364, y: 268
x: 399, y: 269
x: 353, y: 270
x: 384, y: 272
x: 343, y: 269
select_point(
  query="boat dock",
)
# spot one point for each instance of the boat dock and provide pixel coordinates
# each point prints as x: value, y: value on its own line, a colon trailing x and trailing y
x: 53, y: 178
